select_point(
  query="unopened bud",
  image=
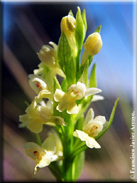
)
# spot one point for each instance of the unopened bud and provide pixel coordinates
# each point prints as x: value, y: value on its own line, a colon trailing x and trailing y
x: 47, y: 55
x: 93, y: 43
x: 68, y: 24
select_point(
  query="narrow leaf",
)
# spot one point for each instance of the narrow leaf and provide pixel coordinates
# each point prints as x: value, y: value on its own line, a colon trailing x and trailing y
x: 78, y: 165
x: 85, y: 22
x: 110, y: 121
x: 79, y: 123
x: 79, y: 29
x: 64, y: 85
x: 92, y: 79
x: 66, y: 59
x: 84, y: 75
x: 71, y: 13
x: 98, y: 29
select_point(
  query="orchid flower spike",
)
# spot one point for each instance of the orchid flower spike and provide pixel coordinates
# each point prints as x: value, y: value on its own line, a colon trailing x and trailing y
x: 91, y: 128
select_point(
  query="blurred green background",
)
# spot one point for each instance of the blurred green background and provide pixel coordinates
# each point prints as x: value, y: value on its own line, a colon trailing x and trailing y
x: 28, y: 26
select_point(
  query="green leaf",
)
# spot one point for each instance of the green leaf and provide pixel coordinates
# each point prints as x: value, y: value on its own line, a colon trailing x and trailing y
x: 64, y: 85
x: 98, y: 29
x: 66, y: 59
x: 85, y: 22
x: 110, y: 121
x: 79, y: 31
x: 92, y: 79
x: 90, y: 58
x: 84, y: 75
x: 71, y: 13
x: 79, y: 123
x: 78, y: 165
x: 83, y: 107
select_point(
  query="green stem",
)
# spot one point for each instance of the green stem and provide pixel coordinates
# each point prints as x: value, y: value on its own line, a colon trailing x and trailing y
x: 38, y: 139
x: 68, y: 146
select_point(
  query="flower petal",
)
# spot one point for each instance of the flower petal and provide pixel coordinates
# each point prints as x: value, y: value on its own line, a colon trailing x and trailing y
x: 58, y: 120
x: 49, y: 144
x: 37, y: 83
x: 60, y: 72
x: 89, y: 117
x: 24, y: 119
x: 72, y: 108
x: 43, y: 94
x: 97, y: 97
x: 101, y: 119
x: 58, y: 95
x: 90, y: 141
x: 30, y: 148
x: 78, y: 89
x: 92, y: 91
x: 80, y: 134
x: 44, y: 113
x: 35, y: 126
x: 64, y: 102
x: 45, y: 161
x: 93, y: 128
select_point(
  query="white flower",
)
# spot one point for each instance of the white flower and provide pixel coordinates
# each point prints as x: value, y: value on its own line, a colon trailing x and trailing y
x: 91, y: 128
x: 51, y: 150
x: 75, y: 92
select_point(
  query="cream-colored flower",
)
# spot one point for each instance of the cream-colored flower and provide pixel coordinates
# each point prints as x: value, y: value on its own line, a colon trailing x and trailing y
x: 92, y: 46
x: 37, y: 83
x: 91, y: 128
x: 37, y: 115
x: 75, y: 92
x: 48, y: 55
x: 51, y: 150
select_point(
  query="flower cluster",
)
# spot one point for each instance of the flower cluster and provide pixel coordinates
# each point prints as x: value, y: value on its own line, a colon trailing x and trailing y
x: 62, y: 105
